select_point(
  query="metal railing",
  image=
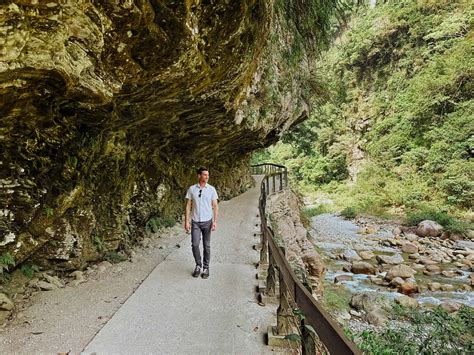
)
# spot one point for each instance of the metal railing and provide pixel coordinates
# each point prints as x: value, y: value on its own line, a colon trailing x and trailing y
x: 283, y: 286
x: 275, y: 175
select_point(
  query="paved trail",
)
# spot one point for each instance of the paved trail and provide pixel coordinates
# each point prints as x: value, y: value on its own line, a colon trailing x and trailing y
x: 174, y: 313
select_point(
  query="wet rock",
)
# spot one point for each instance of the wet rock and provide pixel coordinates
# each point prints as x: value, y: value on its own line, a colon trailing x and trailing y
x: 340, y: 278
x: 409, y: 248
x: 448, y: 273
x: 407, y: 301
x: 408, y: 288
x: 447, y: 287
x: 402, y: 271
x: 377, y: 280
x: 366, y: 255
x: 362, y: 267
x: 428, y: 228
x: 435, y: 269
x: 350, y: 255
x: 390, y: 259
x: 6, y: 304
x: 450, y: 306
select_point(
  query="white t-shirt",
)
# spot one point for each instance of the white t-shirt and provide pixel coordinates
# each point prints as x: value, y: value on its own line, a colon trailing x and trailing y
x: 202, y: 198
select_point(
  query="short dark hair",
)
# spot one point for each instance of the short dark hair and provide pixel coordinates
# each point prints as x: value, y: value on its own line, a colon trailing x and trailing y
x: 201, y: 169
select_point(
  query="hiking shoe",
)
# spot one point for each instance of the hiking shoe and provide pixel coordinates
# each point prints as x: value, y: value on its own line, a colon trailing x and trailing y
x: 205, y: 273
x: 197, y: 271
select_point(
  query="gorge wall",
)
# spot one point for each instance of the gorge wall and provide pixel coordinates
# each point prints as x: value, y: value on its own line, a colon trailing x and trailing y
x: 107, y: 108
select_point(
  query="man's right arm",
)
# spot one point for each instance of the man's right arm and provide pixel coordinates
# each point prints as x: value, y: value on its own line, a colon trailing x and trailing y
x: 187, y: 224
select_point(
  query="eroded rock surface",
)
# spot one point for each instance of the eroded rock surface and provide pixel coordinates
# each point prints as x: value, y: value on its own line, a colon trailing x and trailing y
x: 108, y: 107
x: 299, y: 250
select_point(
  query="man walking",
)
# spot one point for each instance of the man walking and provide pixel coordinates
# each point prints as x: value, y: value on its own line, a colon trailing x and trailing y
x: 202, y: 199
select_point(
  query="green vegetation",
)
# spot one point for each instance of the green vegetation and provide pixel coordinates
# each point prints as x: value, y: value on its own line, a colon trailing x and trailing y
x: 336, y: 298
x: 396, y: 132
x: 154, y: 224
x: 6, y: 260
x: 448, y: 222
x: 29, y: 270
x: 115, y: 257
x: 349, y: 212
x: 431, y: 331
x: 98, y: 242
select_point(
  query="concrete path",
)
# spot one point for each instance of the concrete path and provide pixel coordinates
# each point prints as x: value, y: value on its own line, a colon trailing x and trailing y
x: 174, y: 313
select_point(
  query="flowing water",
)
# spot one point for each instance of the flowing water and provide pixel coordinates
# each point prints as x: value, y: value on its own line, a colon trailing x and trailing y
x: 332, y: 235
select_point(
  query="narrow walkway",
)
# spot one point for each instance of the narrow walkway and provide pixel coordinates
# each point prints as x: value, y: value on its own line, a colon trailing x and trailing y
x: 174, y: 313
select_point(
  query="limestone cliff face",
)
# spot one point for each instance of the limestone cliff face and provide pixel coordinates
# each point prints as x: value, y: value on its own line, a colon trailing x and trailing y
x: 107, y: 108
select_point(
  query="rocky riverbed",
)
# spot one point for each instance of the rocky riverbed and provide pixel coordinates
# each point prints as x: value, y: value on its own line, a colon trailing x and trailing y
x: 414, y: 266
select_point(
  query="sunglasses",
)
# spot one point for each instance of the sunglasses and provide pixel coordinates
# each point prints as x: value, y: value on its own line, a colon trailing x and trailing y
x: 200, y: 192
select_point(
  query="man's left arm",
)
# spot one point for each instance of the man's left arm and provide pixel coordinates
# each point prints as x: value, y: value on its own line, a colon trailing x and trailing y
x: 214, y: 210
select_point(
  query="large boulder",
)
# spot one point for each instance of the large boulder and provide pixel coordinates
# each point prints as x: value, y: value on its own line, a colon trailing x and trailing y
x: 428, y: 228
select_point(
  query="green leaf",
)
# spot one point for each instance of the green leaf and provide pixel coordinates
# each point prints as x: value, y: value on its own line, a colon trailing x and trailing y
x: 293, y: 337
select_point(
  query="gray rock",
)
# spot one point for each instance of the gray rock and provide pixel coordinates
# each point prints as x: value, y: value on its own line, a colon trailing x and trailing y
x: 46, y: 286
x: 368, y: 301
x: 377, y: 317
x: 53, y: 280
x: 428, y: 228
x: 354, y: 313
x: 78, y: 275
x: 390, y: 259
x: 351, y: 255
x: 464, y: 244
x: 411, y: 237
x: 6, y: 304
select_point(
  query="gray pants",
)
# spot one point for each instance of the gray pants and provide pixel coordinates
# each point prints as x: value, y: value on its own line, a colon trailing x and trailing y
x: 196, y: 229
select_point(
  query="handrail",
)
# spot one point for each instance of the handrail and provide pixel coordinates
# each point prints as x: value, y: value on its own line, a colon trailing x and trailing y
x: 328, y: 331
